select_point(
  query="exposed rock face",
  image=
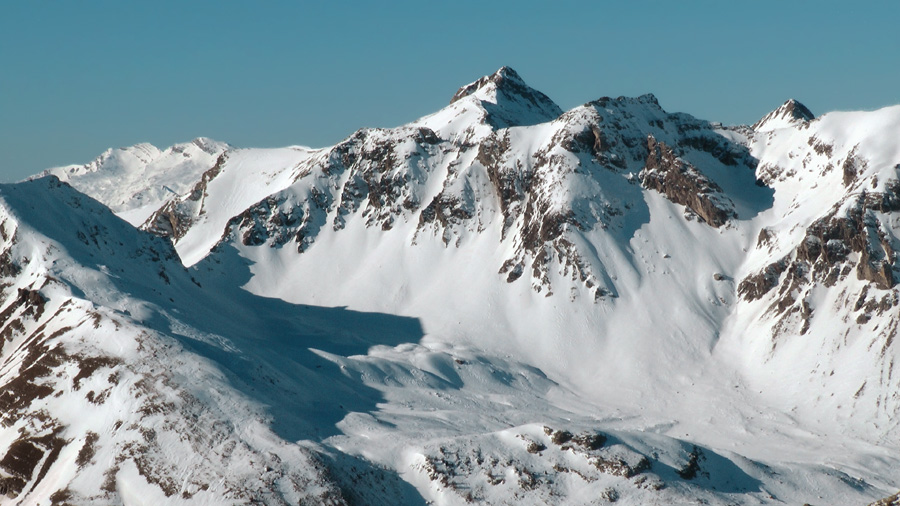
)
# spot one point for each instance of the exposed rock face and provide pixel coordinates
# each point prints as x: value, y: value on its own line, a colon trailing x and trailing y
x: 852, y: 238
x: 683, y: 184
x: 852, y: 167
x: 174, y: 219
x: 756, y: 286
x: 376, y: 173
x: 893, y: 500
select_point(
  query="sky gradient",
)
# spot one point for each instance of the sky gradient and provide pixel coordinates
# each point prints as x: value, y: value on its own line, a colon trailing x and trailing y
x: 79, y: 77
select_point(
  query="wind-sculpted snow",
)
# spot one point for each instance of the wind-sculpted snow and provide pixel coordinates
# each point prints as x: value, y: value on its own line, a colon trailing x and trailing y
x: 499, y: 303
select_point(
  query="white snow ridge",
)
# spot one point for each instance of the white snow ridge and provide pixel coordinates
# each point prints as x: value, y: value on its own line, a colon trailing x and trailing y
x: 499, y: 303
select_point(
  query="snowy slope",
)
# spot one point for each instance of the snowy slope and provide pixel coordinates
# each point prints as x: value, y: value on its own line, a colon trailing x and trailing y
x: 102, y: 403
x: 819, y: 285
x: 240, y: 178
x: 499, y: 303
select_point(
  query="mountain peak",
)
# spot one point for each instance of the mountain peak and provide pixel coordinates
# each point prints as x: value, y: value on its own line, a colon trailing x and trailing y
x: 505, y: 79
x: 508, y: 100
x: 506, y: 85
x: 789, y: 113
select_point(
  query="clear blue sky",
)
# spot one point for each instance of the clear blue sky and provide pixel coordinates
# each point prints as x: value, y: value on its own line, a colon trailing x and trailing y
x: 78, y: 77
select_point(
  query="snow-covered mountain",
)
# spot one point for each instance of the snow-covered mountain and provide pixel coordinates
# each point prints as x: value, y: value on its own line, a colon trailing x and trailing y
x: 500, y: 302
x: 134, y: 181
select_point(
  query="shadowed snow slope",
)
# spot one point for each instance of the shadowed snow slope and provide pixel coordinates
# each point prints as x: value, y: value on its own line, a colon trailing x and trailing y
x: 500, y: 302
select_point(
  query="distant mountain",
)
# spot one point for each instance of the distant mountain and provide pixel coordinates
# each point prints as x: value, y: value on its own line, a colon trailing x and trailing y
x: 135, y: 180
x: 497, y: 303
